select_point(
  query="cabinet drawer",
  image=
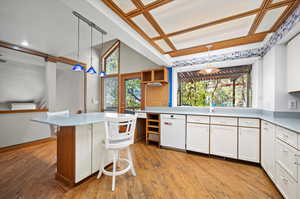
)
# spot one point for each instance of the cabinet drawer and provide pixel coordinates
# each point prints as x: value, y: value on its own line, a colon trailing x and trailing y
x: 142, y: 115
x: 267, y: 126
x: 198, y: 119
x: 249, y: 122
x: 286, y: 156
x: 286, y: 185
x: 224, y: 121
x: 287, y: 136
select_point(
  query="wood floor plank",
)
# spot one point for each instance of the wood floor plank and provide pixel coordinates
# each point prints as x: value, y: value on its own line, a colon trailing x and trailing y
x: 28, y: 173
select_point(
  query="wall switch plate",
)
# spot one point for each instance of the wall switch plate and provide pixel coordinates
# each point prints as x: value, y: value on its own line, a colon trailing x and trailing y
x: 292, y: 104
x: 95, y: 101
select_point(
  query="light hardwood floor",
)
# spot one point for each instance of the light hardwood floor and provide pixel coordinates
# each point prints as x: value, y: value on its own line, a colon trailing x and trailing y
x: 29, y: 173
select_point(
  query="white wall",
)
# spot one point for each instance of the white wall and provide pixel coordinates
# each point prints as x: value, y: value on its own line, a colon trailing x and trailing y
x: 69, y: 89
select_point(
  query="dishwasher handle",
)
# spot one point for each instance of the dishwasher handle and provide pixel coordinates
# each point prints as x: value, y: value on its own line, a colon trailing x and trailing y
x: 168, y: 123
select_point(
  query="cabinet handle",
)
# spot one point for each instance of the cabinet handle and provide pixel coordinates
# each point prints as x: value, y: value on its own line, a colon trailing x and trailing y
x: 297, y: 163
x: 285, y: 151
x: 296, y: 155
x: 285, y: 135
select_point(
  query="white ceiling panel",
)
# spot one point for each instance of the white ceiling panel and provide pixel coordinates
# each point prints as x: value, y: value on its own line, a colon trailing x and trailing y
x: 125, y: 5
x: 276, y: 1
x: 163, y: 45
x: 181, y: 14
x: 232, y: 29
x: 270, y: 18
x: 143, y: 23
x: 145, y: 2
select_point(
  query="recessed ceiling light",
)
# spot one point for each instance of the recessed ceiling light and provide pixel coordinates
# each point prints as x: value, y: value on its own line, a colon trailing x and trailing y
x: 24, y: 43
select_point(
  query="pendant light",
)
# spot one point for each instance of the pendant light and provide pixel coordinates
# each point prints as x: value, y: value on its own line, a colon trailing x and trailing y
x: 209, y: 69
x: 91, y: 70
x: 78, y: 67
x: 101, y: 73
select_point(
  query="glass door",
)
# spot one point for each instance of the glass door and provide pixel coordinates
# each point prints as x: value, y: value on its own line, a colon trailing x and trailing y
x: 133, y: 95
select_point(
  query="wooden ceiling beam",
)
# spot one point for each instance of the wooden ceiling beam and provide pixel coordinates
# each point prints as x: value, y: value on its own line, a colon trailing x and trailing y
x: 121, y: 14
x: 223, y: 20
x: 152, y: 21
x: 221, y: 44
x: 259, y: 17
x: 285, y: 15
x: 148, y: 7
x: 280, y: 4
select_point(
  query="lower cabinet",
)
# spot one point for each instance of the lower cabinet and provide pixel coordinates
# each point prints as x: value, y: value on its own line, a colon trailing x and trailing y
x: 268, y: 148
x: 83, y: 151
x: 286, y: 184
x: 98, y: 136
x: 249, y: 144
x: 197, y: 137
x: 223, y: 141
x: 89, y: 150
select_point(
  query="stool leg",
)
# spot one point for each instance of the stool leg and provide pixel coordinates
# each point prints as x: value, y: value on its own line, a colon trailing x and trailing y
x: 101, y: 166
x: 114, y: 170
x: 118, y: 160
x: 130, y: 162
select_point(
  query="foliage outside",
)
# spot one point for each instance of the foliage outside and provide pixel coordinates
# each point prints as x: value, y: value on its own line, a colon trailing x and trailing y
x: 218, y: 92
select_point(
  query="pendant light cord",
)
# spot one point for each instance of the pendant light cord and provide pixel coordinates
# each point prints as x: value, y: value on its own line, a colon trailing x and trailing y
x: 78, y: 36
x: 91, y: 46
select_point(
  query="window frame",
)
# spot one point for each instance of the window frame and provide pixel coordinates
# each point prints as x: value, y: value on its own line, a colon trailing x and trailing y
x: 248, y: 91
x: 111, y: 50
x: 117, y: 75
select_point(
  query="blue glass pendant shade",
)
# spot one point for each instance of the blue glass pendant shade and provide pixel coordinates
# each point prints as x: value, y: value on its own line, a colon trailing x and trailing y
x: 102, y: 74
x: 78, y: 67
x: 91, y: 70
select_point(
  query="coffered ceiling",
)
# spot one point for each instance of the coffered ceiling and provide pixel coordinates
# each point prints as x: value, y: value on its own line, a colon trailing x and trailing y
x: 182, y: 27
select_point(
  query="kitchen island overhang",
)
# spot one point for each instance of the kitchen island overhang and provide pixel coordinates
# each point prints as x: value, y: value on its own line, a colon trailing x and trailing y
x: 79, y: 143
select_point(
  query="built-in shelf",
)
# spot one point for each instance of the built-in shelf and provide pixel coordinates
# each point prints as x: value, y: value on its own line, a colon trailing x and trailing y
x: 153, y: 128
x: 156, y: 75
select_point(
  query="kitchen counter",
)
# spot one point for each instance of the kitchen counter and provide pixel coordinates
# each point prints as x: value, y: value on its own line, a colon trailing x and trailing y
x: 291, y: 123
x: 81, y: 119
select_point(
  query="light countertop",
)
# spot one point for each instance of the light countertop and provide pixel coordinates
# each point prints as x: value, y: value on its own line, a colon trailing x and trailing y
x: 82, y: 119
x: 291, y: 123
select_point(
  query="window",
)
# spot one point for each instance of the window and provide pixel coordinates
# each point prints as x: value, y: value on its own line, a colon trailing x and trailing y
x: 110, y: 83
x: 110, y: 93
x: 133, y: 94
x: 111, y: 59
x: 228, y: 88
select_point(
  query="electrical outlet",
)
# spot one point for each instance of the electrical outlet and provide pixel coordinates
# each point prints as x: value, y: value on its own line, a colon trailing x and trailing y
x: 292, y: 104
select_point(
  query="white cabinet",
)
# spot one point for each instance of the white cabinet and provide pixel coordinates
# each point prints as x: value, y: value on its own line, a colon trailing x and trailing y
x: 249, y: 144
x: 286, y: 185
x: 197, y: 137
x: 232, y: 121
x: 83, y: 150
x: 223, y: 141
x: 98, y: 136
x: 293, y: 67
x: 267, y: 148
x: 287, y: 158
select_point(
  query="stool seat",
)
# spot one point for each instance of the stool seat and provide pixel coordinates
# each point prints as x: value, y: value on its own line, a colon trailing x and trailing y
x: 115, y: 141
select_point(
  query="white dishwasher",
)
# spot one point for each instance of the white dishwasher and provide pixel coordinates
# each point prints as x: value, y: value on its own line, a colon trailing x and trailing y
x: 172, y: 131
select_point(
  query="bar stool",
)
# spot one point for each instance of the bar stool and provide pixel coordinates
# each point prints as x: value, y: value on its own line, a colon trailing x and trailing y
x: 115, y: 141
x: 54, y: 129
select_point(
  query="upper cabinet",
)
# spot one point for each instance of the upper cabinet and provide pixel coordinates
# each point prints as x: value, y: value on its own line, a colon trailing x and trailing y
x: 293, y: 65
x: 156, y: 75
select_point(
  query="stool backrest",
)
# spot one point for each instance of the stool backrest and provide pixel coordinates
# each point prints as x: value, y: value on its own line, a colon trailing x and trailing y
x: 118, y: 131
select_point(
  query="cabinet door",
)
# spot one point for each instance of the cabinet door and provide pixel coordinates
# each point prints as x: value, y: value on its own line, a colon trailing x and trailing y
x: 83, y: 151
x: 268, y: 148
x: 98, y: 136
x: 223, y: 141
x: 197, y: 137
x: 249, y: 144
